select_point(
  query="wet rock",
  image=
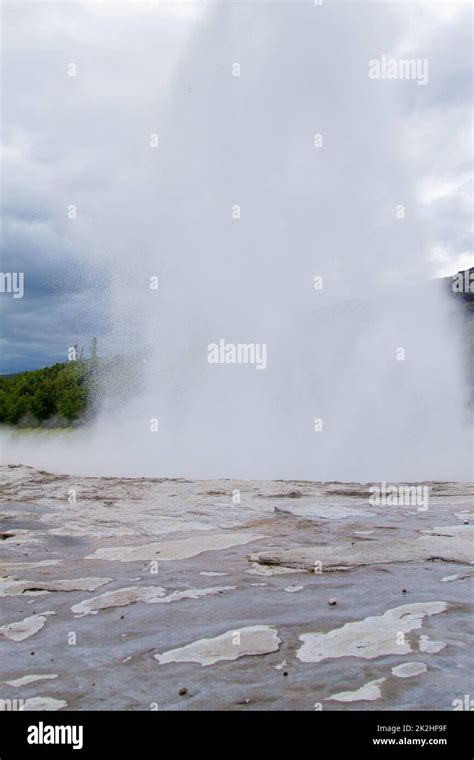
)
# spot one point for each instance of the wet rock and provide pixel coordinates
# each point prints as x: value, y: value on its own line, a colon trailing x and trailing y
x: 369, y: 692
x: 38, y: 704
x: 369, y: 638
x: 25, y: 628
x: 409, y: 669
x: 426, y: 644
x: 451, y: 544
x: 148, y: 594
x: 10, y: 587
x: 177, y: 549
x: 141, y: 513
x: 252, y: 640
x: 26, y: 680
x: 328, y: 511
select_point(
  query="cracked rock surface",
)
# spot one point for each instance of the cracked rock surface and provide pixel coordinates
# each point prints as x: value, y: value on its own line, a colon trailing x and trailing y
x: 108, y: 600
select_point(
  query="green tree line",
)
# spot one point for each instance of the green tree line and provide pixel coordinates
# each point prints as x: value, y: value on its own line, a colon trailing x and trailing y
x: 62, y: 392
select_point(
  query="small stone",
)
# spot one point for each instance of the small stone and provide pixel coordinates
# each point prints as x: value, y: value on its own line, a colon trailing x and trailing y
x: 404, y: 590
x: 332, y: 602
x: 182, y: 691
x: 285, y: 672
x: 466, y: 522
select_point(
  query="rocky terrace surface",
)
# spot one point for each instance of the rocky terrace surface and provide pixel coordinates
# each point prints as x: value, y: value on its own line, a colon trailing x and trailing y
x: 157, y: 594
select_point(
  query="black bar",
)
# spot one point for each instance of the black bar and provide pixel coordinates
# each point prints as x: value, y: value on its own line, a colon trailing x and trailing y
x: 374, y: 734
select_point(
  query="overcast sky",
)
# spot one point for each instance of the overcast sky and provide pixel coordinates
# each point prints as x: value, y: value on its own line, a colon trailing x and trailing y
x: 83, y: 140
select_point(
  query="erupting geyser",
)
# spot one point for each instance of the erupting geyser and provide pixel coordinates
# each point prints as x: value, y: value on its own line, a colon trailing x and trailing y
x: 267, y: 182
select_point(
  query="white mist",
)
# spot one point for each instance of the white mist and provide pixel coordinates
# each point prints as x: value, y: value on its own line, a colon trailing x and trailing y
x: 297, y: 169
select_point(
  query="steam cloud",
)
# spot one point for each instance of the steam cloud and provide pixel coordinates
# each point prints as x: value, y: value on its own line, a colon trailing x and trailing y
x: 247, y: 275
